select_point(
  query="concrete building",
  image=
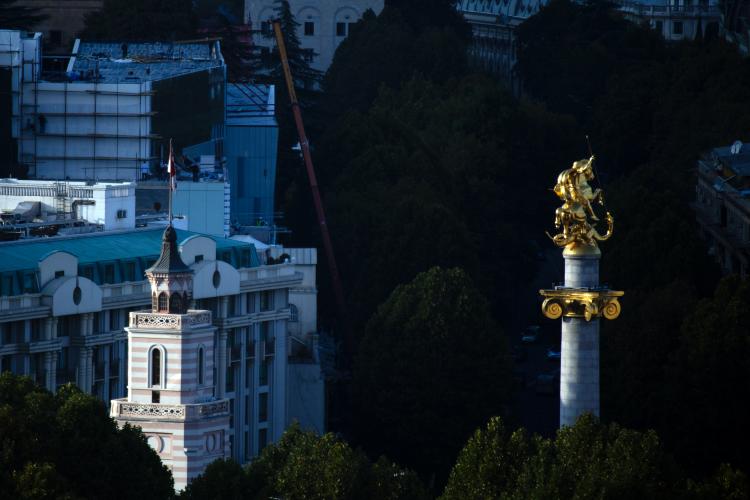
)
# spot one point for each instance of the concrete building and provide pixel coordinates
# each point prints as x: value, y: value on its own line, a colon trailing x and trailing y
x: 324, y: 24
x: 722, y: 206
x: 64, y: 302
x: 109, y: 205
x: 493, y: 24
x: 675, y: 20
x: 112, y: 113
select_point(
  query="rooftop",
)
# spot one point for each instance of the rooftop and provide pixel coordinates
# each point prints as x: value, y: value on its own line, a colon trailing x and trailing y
x: 113, y: 62
x: 143, y: 244
x: 250, y: 105
x: 739, y: 163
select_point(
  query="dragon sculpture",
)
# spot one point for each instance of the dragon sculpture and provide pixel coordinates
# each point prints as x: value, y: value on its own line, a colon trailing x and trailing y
x: 576, y: 217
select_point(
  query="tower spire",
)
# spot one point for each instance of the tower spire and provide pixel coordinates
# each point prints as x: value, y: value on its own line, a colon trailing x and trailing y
x: 171, y: 280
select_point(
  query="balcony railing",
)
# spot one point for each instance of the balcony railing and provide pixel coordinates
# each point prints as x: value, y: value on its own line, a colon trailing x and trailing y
x: 164, y: 321
x: 123, y: 409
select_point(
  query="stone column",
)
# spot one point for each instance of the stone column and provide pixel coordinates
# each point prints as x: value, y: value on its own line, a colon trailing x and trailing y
x: 50, y: 365
x: 579, y: 363
x: 85, y: 356
x: 221, y: 363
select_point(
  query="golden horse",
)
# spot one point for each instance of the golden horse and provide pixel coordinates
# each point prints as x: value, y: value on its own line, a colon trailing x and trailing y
x: 577, y: 195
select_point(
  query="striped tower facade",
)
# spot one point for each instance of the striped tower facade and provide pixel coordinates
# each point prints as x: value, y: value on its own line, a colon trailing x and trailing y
x: 171, y: 394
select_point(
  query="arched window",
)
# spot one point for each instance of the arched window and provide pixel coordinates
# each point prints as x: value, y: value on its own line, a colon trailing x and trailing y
x: 157, y: 367
x: 163, y: 302
x: 293, y: 313
x: 201, y: 365
x: 175, y: 304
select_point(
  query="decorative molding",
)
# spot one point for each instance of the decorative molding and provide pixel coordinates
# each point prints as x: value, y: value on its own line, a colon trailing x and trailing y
x: 146, y: 410
x: 165, y: 321
x: 584, y: 303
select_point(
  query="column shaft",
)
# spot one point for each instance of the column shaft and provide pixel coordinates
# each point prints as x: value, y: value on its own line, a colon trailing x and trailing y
x: 579, y: 363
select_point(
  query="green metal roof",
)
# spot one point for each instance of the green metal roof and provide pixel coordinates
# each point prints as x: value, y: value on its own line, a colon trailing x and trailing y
x: 102, y: 247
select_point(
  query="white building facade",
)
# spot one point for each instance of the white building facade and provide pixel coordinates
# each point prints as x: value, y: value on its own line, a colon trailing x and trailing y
x: 324, y: 24
x: 110, y: 205
x: 65, y: 301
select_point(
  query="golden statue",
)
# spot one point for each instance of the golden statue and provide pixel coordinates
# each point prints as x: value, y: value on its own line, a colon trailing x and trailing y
x: 576, y: 216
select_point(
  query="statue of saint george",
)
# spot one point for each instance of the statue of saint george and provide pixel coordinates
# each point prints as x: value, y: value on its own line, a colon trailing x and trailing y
x: 576, y: 216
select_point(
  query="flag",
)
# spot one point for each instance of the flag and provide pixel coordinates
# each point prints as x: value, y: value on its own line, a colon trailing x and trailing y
x: 172, y: 169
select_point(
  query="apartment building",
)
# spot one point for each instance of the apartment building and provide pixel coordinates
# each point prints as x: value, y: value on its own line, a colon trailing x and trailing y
x: 722, y: 205
x: 65, y: 301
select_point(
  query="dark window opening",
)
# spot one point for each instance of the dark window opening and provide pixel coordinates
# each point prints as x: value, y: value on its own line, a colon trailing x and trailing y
x: 109, y: 273
x: 156, y: 368
x: 200, y: 366
x: 59, y: 274
x: 340, y: 29
x: 163, y: 302
x: 155, y: 397
x: 677, y: 28
x: 309, y: 28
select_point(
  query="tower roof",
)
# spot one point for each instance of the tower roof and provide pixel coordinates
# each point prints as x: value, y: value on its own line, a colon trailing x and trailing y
x: 169, y: 261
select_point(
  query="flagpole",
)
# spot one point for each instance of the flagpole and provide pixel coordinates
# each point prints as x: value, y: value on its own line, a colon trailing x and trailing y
x: 170, y: 173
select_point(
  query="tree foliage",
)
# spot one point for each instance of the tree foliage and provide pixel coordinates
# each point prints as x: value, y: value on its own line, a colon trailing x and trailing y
x: 587, y: 460
x: 66, y: 446
x: 141, y: 20
x: 704, y: 414
x: 305, y: 465
x: 416, y: 377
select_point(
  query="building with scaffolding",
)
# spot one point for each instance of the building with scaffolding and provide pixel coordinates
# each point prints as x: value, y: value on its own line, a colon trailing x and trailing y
x: 110, y: 116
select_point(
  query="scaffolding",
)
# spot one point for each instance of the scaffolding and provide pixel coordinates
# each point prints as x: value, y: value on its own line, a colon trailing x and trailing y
x: 86, y: 128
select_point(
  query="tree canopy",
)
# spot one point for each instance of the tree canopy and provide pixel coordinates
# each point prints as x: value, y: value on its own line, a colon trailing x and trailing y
x: 305, y: 465
x: 141, y: 20
x: 19, y: 17
x: 587, y: 460
x: 66, y: 446
x: 418, y: 374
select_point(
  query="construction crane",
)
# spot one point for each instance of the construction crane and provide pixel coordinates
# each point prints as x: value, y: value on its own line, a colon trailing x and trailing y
x: 319, y: 212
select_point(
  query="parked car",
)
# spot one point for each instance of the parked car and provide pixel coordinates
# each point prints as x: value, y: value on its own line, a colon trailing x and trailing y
x: 553, y: 354
x: 530, y: 334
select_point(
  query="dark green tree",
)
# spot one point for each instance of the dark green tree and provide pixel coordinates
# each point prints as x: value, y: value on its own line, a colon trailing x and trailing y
x: 66, y: 446
x: 704, y: 394
x: 569, y: 51
x: 141, y: 20
x: 305, y: 465
x: 587, y: 460
x: 19, y: 17
x: 417, y: 374
x: 222, y: 479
